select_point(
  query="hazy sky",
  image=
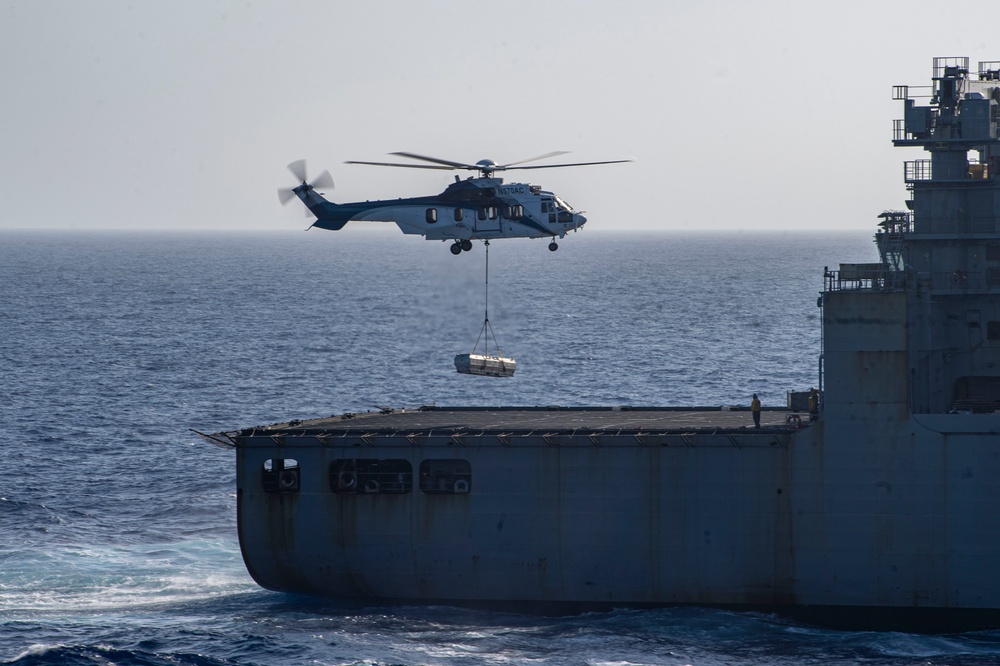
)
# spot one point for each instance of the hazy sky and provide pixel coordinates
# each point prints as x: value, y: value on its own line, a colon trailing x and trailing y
x: 767, y: 114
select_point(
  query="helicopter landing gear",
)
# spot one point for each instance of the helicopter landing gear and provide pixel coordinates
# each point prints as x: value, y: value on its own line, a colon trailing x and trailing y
x: 458, y: 246
x: 553, y: 246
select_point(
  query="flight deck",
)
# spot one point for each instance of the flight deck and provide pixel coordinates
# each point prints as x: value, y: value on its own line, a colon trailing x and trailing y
x: 581, y: 421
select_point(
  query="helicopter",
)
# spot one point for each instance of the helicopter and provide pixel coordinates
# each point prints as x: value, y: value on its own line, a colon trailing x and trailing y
x: 480, y: 207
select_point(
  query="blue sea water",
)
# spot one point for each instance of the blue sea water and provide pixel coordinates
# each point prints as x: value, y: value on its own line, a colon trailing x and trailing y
x: 117, y: 524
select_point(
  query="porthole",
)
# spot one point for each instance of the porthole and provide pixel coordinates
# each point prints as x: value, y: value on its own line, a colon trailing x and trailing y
x: 445, y: 477
x: 280, y: 475
x: 381, y: 476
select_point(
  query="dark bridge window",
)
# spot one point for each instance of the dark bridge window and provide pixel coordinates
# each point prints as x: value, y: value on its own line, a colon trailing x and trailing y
x: 280, y: 475
x: 349, y: 476
x: 977, y: 394
x: 445, y: 477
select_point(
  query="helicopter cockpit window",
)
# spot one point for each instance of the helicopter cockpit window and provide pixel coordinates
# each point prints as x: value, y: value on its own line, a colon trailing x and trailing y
x: 432, y: 215
x: 562, y: 204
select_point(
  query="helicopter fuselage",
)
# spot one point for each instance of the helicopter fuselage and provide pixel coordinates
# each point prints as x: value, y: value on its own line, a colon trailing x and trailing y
x: 470, y: 209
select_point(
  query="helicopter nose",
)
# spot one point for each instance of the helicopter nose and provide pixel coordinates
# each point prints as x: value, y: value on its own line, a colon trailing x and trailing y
x: 580, y: 220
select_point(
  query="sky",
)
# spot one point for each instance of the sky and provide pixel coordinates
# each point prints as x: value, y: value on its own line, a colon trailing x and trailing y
x: 182, y: 115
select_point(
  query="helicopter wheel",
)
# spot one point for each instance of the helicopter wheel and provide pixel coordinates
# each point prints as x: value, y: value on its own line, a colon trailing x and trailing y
x: 466, y: 244
x: 456, y: 248
x: 553, y: 246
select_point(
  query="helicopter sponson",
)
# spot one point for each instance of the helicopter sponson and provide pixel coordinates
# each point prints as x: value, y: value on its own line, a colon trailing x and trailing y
x: 480, y: 207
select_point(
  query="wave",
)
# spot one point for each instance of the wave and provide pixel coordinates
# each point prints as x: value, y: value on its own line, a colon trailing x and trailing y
x: 91, y: 655
x: 77, y: 578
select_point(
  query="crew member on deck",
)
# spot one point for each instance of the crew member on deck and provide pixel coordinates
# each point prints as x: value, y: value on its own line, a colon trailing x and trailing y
x: 755, y: 410
x: 813, y: 404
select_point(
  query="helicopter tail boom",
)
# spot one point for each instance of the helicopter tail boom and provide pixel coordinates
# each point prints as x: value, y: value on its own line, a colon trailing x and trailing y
x: 328, y: 215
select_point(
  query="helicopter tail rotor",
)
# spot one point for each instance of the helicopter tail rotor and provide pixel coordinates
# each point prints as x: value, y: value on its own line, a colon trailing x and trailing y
x: 324, y: 181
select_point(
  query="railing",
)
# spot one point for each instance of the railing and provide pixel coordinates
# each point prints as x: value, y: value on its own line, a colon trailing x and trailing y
x: 917, y: 170
x: 896, y: 221
x: 942, y: 64
x: 878, y: 277
x: 989, y: 71
x: 921, y: 171
x: 899, y: 132
x: 862, y: 277
x: 903, y: 92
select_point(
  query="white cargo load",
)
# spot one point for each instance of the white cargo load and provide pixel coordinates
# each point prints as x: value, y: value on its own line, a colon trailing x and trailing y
x: 478, y: 364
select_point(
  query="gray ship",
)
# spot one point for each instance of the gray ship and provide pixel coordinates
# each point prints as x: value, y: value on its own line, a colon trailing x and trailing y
x: 882, y: 509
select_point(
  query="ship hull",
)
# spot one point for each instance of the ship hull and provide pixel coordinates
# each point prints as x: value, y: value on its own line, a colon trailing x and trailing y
x: 903, y: 516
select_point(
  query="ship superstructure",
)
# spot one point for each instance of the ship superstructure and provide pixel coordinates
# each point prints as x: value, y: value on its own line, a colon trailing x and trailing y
x: 889, y: 501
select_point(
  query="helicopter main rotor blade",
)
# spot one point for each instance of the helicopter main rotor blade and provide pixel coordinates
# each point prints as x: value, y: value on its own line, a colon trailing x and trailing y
x: 405, y: 166
x: 572, y: 164
x: 532, y: 159
x: 437, y: 160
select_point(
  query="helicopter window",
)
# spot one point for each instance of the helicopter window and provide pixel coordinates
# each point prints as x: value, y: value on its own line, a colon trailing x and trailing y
x: 562, y: 204
x: 515, y: 212
x: 458, y: 215
x: 482, y: 212
x: 432, y: 215
x: 492, y: 210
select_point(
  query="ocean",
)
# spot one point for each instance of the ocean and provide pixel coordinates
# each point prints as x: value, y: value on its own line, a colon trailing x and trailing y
x: 118, y: 524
